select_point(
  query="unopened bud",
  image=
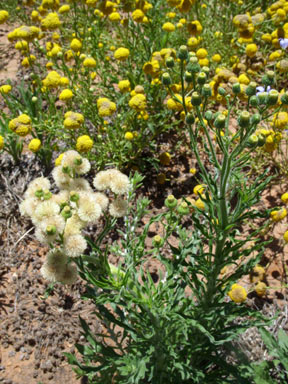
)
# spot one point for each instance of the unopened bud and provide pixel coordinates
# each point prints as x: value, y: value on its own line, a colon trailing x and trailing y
x: 170, y: 202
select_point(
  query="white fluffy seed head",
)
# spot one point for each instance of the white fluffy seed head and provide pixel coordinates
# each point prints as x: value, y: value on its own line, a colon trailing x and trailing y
x: 74, y: 245
x: 57, y: 221
x: 69, y: 275
x: 102, y: 200
x: 79, y: 184
x: 84, y: 167
x: 88, y: 208
x: 61, y: 198
x: 103, y: 179
x: 54, y: 265
x: 118, y: 208
x: 44, y: 210
x: 62, y: 180
x: 120, y: 184
x: 27, y: 207
x: 35, y: 185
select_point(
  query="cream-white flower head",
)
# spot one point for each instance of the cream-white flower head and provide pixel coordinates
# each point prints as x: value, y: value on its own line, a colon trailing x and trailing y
x: 54, y: 265
x: 69, y: 275
x: 35, y: 185
x: 73, y: 226
x: 103, y: 179
x: 120, y: 184
x: 118, y: 208
x: 88, y: 208
x: 44, y: 210
x: 102, y: 200
x: 27, y: 207
x: 74, y: 245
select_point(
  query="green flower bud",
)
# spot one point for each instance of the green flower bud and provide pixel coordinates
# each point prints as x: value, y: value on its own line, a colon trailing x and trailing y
x: 284, y: 98
x: 66, y: 212
x: 196, y: 99
x: 34, y: 99
x: 193, y: 65
x: 170, y: 62
x: 190, y: 119
x: 256, y: 118
x: 39, y: 193
x: 273, y: 97
x: 201, y: 78
x: 157, y: 241
x: 50, y: 230
x: 254, y: 101
x: 244, y: 119
x: 183, y: 52
x: 266, y: 80
x: 261, y: 140
x: 47, y: 195
x: 183, y: 208
x: 220, y: 121
x: 221, y: 91
x: 262, y: 98
x: 206, y: 90
x: 236, y: 88
x: 271, y: 75
x: 166, y: 79
x: 74, y: 196
x: 206, y: 70
x: 208, y: 115
x: 78, y: 161
x: 251, y: 89
x: 170, y: 202
x: 66, y: 169
x: 252, y: 141
x: 188, y: 77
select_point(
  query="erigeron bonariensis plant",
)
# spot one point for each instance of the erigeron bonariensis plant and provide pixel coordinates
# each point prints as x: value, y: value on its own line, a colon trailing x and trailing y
x: 60, y: 218
x: 180, y: 328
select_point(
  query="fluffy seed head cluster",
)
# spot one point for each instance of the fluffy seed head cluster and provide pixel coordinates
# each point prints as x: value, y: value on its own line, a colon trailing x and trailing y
x: 59, y: 218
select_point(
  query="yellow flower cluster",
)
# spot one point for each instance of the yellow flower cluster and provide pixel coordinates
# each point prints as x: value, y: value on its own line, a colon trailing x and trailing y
x: 21, y: 125
x: 51, y: 22
x: 3, y: 16
x: 105, y: 107
x: 73, y: 120
x: 24, y: 33
x: 84, y: 144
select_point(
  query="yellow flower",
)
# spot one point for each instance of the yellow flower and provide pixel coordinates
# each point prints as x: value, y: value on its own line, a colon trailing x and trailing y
x: 64, y: 81
x: 66, y: 94
x: 73, y: 120
x: 3, y: 16
x: 165, y: 158
x: 6, y: 88
x: 199, y: 189
x: 1, y: 142
x: 27, y: 61
x: 129, y: 136
x: 251, y: 50
x: 237, y: 293
x: 52, y: 80
x: 21, y: 45
x: 261, y: 289
x: 199, y: 204
x: 278, y: 215
x: 84, y: 143
x: 59, y: 159
x: 76, y: 45
x: 138, y: 15
x: 21, y: 125
x: 193, y: 42
x: 175, y: 105
x: 168, y: 27
x: 284, y: 198
x: 89, y: 62
x: 285, y: 237
x: 275, y: 55
x: 216, y: 58
x: 194, y: 28
x: 257, y: 274
x: 121, y: 54
x: 201, y: 53
x: 105, y: 107
x: 244, y: 79
x: 124, y: 86
x: 24, y: 33
x: 193, y: 171
x: 280, y: 120
x: 34, y: 145
x: 138, y: 102
x: 114, y: 16
x: 64, y: 9
x: 51, y: 22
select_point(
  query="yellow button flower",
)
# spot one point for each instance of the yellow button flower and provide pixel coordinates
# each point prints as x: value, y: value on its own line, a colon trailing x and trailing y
x: 237, y: 293
x: 84, y: 144
x: 121, y: 54
x: 34, y: 145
